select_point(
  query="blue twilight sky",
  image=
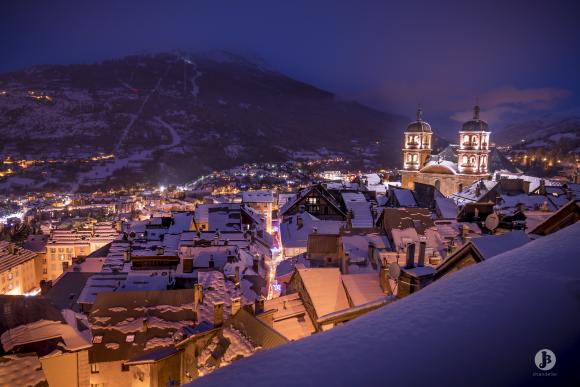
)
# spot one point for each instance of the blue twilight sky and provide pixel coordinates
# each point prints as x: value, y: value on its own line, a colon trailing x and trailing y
x: 521, y: 58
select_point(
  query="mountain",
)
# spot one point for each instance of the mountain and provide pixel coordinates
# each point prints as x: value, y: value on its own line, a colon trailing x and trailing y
x: 548, y: 130
x: 176, y: 116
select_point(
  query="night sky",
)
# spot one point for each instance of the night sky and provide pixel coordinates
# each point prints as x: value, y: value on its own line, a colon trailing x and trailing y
x: 521, y: 58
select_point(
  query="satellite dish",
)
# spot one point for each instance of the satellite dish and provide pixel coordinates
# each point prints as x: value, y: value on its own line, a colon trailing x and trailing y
x: 492, y: 221
x: 394, y: 270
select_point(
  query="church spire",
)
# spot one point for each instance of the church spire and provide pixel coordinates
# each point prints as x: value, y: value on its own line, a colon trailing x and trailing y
x: 476, y: 109
x: 419, y: 113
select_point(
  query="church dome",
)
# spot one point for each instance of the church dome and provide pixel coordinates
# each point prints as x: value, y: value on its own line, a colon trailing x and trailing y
x: 476, y: 124
x: 418, y: 125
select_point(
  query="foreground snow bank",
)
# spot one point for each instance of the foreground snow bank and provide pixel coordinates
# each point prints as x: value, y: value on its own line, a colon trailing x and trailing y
x: 480, y: 326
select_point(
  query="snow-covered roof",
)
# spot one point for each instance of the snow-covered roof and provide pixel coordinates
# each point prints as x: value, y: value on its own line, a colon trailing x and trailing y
x: 441, y: 166
x: 43, y: 330
x: 324, y: 286
x: 363, y: 288
x: 294, y: 235
x: 446, y: 207
x: 357, y: 246
x: 484, y: 314
x: 533, y: 180
x: 12, y: 256
x: 290, y: 317
x: 21, y: 370
x: 405, y: 197
x: 491, y: 245
x: 474, y: 192
x: 261, y: 196
x: 360, y: 207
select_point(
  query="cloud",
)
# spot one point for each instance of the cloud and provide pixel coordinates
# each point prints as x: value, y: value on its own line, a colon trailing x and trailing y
x: 507, y: 102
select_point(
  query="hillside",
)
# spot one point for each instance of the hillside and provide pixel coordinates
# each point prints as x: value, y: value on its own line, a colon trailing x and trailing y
x: 548, y: 131
x: 176, y: 116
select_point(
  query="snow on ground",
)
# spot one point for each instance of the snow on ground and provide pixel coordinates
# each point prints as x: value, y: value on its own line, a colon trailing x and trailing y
x: 134, y: 117
x: 559, y: 136
x: 175, y: 137
x: 194, y: 77
x: 480, y: 326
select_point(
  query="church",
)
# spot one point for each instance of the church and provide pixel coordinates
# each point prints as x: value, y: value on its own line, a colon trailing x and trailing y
x: 457, y: 166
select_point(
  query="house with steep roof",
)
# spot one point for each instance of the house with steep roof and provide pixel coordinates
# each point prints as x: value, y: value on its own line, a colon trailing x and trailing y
x: 564, y: 217
x: 480, y: 249
x: 317, y: 201
x: 322, y: 292
x: 125, y: 325
x: 56, y: 341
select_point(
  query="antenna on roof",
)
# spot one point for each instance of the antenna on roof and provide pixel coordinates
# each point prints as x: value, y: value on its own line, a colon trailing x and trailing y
x: 394, y: 271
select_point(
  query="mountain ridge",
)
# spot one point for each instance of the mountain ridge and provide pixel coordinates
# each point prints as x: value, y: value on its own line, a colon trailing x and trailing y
x: 190, y: 114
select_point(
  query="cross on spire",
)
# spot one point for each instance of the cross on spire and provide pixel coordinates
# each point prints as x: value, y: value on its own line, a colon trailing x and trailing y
x: 476, y: 109
x: 419, y: 113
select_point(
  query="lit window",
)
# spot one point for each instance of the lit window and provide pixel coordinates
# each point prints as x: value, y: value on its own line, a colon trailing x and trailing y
x: 94, y: 368
x: 130, y: 338
x: 97, y: 339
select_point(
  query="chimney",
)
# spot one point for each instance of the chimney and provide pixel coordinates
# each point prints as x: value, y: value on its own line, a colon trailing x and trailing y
x: 384, y: 278
x: 11, y: 249
x: 372, y: 250
x: 374, y: 211
x: 45, y: 286
x: 145, y: 325
x: 259, y: 308
x: 345, y: 262
x: 211, y: 262
x: 299, y: 222
x: 410, y: 256
x: 237, y: 276
x: 477, y: 190
x: 236, y: 303
x: 197, y: 296
x: 349, y: 216
x: 542, y: 187
x: 218, y: 313
x: 422, y: 246
x: 188, y: 265
x: 160, y: 250
x: 255, y: 264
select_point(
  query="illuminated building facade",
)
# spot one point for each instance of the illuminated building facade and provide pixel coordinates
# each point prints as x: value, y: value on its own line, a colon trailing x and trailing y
x: 456, y: 167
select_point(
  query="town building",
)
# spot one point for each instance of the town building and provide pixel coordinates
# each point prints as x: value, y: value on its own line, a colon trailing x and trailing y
x: 19, y: 269
x: 457, y: 166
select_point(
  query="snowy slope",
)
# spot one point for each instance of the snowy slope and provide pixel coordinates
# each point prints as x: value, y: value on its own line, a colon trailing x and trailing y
x: 208, y: 111
x: 481, y: 326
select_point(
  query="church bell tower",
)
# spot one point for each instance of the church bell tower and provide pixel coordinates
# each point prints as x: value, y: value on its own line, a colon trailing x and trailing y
x: 417, y: 146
